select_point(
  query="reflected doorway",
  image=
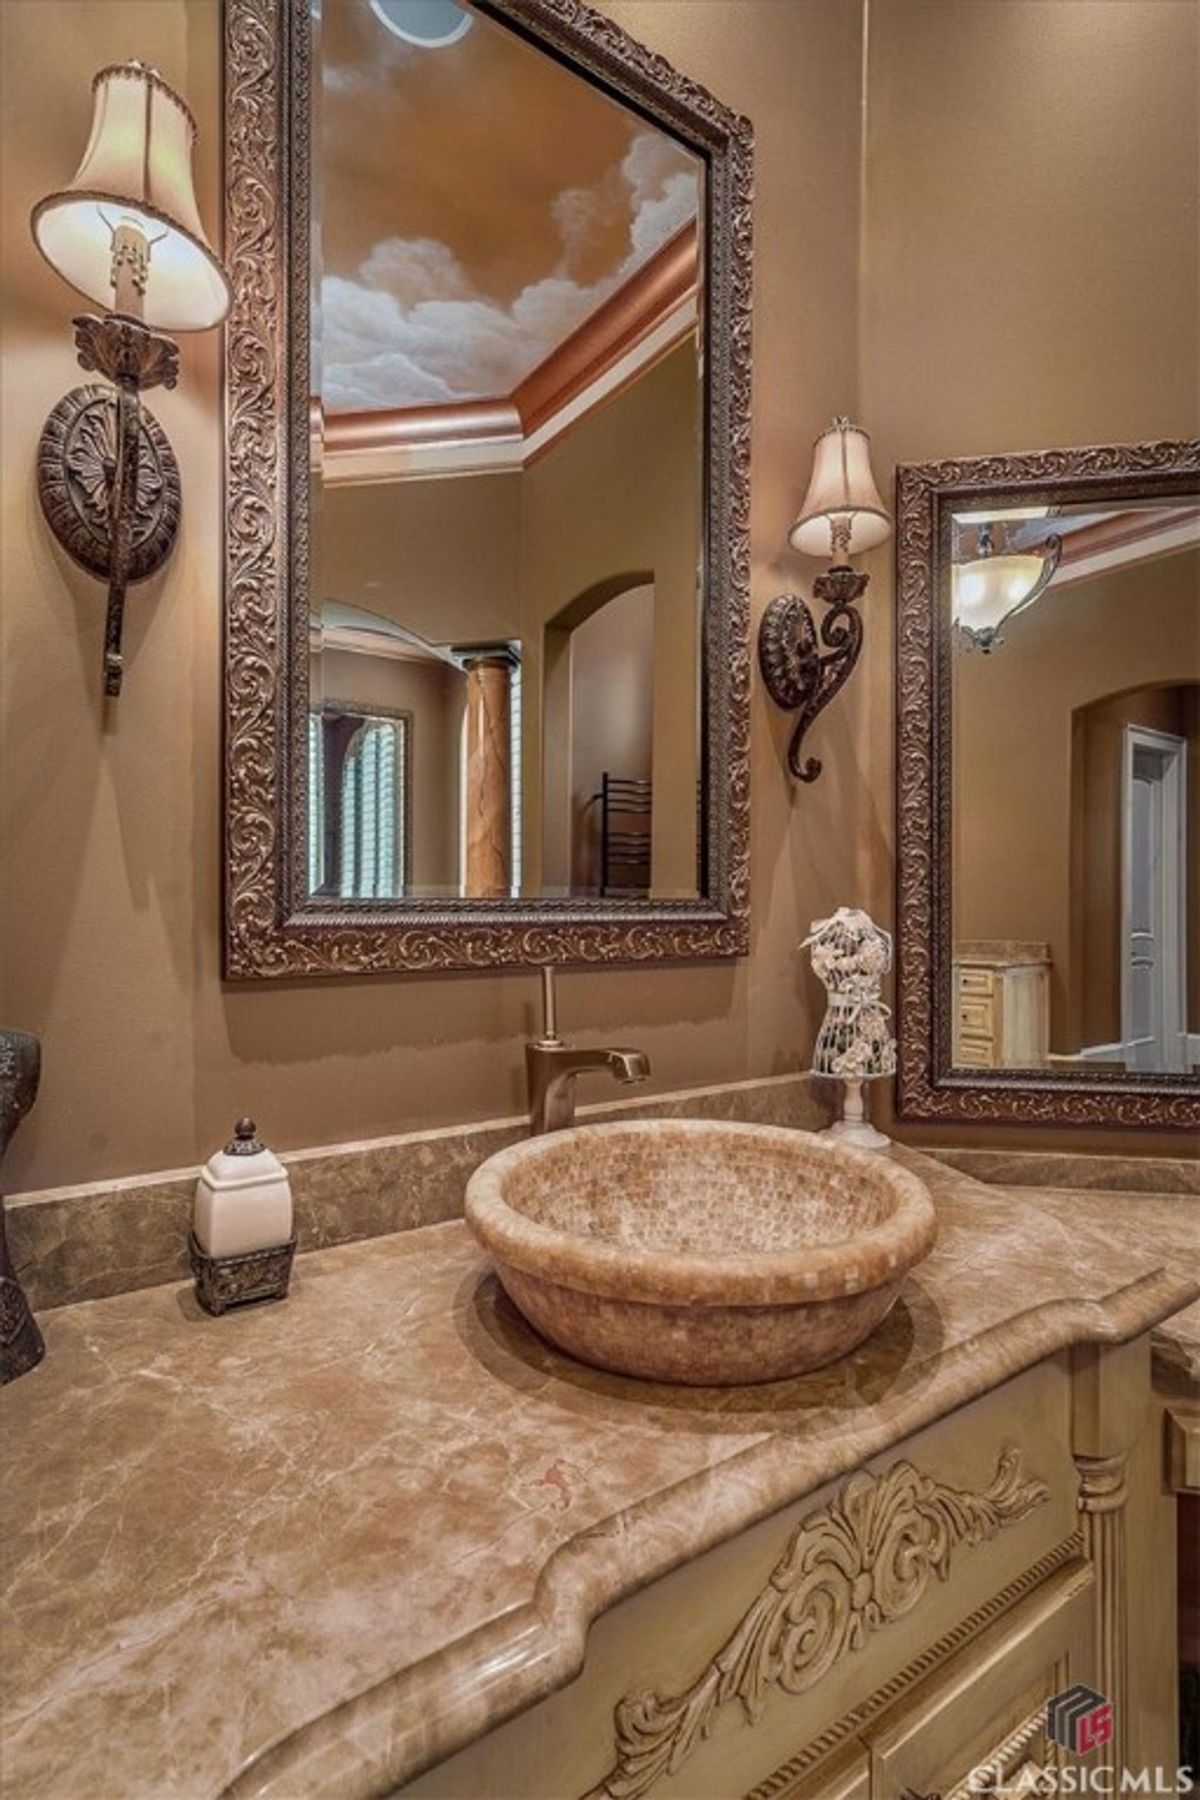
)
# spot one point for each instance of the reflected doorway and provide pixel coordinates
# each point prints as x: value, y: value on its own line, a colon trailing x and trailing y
x: 1154, y: 900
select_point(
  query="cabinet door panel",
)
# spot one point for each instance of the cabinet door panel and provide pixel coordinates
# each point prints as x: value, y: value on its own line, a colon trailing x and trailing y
x: 985, y: 1707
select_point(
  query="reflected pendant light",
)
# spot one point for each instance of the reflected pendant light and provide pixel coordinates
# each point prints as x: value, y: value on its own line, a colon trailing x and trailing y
x: 994, y: 586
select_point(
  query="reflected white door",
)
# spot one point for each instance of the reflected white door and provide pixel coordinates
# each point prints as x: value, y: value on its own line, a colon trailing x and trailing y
x: 1153, y: 903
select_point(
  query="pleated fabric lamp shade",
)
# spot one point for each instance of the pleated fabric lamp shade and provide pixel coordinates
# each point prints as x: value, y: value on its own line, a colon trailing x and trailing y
x: 842, y: 511
x: 136, y: 170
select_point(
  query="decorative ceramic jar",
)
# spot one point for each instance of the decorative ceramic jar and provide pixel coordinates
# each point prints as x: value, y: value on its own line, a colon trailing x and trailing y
x: 242, y: 1240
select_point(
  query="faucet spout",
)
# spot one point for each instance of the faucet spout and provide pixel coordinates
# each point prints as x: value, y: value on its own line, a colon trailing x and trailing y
x: 551, y: 1068
x: 629, y: 1065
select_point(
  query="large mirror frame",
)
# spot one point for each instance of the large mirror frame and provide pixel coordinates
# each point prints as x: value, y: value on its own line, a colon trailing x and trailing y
x: 930, y: 1087
x: 272, y: 929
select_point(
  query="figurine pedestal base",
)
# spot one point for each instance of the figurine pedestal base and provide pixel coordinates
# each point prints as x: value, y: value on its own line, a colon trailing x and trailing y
x: 862, y: 1136
x: 854, y: 1127
x: 225, y: 1281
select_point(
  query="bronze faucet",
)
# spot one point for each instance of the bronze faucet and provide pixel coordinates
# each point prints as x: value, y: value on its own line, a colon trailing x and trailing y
x: 551, y: 1067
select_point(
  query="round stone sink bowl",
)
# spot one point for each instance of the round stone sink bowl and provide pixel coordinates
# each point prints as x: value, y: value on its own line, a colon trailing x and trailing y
x: 698, y: 1251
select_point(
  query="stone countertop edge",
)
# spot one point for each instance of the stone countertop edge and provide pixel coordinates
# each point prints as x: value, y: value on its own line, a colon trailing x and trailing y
x: 372, y: 1743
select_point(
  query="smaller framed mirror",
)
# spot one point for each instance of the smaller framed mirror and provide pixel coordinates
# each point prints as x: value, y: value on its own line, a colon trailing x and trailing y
x: 1049, y: 787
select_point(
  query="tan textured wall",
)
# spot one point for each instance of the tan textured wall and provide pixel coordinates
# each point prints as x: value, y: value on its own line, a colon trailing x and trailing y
x: 110, y: 828
x: 612, y: 715
x: 594, y: 509
x: 1029, y: 268
x: 441, y: 557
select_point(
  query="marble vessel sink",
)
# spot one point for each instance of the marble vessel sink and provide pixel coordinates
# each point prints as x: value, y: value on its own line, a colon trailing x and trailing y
x: 699, y: 1251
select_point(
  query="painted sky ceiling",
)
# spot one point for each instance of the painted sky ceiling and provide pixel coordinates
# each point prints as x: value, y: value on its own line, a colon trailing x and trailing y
x: 476, y: 202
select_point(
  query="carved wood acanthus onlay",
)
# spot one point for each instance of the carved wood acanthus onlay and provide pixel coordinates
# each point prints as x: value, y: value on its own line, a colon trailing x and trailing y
x: 850, y: 1569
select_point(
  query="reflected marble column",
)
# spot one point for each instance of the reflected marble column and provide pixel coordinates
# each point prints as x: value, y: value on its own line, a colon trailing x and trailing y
x: 488, y: 776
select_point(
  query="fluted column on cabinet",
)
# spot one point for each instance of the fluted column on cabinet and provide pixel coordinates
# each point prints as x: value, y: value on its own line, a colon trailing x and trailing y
x: 1110, y: 1408
x: 1102, y: 1497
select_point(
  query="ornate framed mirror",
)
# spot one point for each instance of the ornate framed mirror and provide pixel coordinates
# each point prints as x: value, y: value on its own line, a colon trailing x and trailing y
x: 1048, y: 787
x: 487, y: 464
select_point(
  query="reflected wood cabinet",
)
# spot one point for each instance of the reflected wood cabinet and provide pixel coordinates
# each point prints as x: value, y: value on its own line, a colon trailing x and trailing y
x: 895, y: 1632
x: 1001, y: 1005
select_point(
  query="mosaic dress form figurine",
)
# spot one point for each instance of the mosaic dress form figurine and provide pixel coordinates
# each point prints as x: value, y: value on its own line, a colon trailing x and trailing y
x: 21, y: 1346
x: 850, y: 956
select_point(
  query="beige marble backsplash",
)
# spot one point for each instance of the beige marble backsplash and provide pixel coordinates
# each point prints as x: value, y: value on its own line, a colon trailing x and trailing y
x: 1067, y: 1169
x: 81, y: 1243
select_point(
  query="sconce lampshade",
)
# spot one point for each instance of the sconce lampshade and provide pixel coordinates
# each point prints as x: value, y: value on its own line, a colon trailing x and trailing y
x: 137, y: 168
x: 842, y: 502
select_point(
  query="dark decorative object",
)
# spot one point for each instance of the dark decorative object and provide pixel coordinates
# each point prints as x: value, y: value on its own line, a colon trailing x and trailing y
x: 272, y: 927
x: 929, y: 1086
x: 1189, y: 1721
x: 225, y: 1281
x: 797, y: 676
x: 21, y: 1344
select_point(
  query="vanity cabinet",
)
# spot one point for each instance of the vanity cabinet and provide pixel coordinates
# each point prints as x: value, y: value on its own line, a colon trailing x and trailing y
x: 899, y: 1629
x: 1001, y: 1006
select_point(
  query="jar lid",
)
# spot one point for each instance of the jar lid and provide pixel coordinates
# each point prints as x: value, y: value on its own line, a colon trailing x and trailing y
x: 244, y: 1162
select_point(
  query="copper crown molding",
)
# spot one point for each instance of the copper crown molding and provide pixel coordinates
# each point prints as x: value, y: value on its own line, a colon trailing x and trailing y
x: 929, y: 1087
x: 271, y: 927
x: 594, y: 350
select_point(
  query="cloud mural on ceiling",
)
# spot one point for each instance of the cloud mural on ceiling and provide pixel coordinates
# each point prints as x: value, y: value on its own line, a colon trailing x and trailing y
x: 410, y: 328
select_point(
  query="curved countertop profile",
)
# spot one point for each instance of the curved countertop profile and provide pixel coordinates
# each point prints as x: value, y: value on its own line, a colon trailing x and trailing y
x: 313, y: 1548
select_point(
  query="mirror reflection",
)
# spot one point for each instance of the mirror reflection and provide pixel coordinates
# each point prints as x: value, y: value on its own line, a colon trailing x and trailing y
x: 507, y: 471
x: 1076, y: 786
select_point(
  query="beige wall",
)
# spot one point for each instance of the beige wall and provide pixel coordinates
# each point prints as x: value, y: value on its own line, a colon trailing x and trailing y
x: 1029, y: 268
x: 616, y: 496
x: 612, y: 717
x: 1027, y: 279
x: 441, y: 557
x: 110, y: 827
x: 1014, y: 713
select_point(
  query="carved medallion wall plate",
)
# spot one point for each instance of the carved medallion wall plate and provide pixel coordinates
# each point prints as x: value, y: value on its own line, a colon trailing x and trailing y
x: 849, y: 1570
x: 75, y: 463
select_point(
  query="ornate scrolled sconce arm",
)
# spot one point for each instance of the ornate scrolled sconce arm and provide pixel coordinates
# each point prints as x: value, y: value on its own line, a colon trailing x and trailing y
x: 798, y: 677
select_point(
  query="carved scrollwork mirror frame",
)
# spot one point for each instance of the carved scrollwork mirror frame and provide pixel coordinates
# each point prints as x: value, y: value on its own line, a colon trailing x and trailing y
x: 272, y: 927
x: 929, y: 1086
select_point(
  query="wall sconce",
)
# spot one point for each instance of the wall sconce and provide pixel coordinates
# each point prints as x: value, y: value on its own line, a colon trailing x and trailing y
x: 841, y: 516
x: 992, y: 587
x: 126, y: 233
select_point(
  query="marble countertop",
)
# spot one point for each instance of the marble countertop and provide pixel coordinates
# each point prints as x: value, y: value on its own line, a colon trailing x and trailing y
x: 309, y: 1549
